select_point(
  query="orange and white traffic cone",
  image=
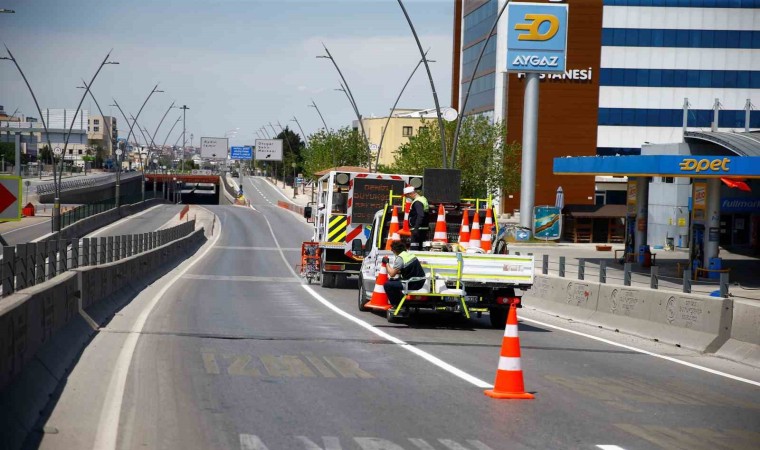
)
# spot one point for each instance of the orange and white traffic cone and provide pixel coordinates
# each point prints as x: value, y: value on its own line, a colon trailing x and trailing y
x: 475, y: 232
x: 405, y: 231
x: 440, y: 226
x: 464, y: 231
x: 393, y: 230
x: 509, y: 377
x: 485, y: 239
x: 379, y: 298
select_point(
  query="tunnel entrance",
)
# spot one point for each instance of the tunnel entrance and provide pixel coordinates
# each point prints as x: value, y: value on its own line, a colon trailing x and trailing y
x: 186, y: 189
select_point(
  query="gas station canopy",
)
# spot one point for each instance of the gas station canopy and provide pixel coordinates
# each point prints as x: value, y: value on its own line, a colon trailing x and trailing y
x: 695, y: 166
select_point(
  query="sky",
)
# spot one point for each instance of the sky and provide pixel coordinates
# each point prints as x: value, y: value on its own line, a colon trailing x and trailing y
x: 237, y: 64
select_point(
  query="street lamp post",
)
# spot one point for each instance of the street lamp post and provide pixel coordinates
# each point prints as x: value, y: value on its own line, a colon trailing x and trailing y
x: 184, y: 109
x: 293, y: 165
x: 382, y: 136
x: 432, y: 84
x: 294, y: 119
x: 352, y: 100
x: 327, y: 130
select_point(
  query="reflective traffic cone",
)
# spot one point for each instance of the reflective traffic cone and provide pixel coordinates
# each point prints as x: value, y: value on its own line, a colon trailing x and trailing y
x: 379, y: 298
x: 464, y: 230
x: 509, y: 377
x: 405, y: 231
x: 485, y: 239
x: 440, y: 226
x: 393, y: 230
x: 475, y: 232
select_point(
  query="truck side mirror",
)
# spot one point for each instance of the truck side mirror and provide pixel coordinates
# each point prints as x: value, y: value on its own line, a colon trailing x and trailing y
x: 307, y: 212
x: 357, y: 247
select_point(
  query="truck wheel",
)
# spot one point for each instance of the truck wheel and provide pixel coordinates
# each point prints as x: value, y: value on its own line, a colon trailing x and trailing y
x: 392, y: 318
x: 498, y: 317
x: 328, y: 280
x: 362, y: 297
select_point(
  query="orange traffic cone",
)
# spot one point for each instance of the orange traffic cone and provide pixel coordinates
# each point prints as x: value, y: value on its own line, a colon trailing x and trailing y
x: 464, y: 230
x: 440, y: 226
x: 475, y: 232
x: 485, y: 240
x: 379, y: 298
x: 405, y: 231
x: 393, y: 230
x: 509, y: 377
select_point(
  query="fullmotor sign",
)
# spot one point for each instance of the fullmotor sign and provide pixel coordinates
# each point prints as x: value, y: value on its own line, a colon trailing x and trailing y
x: 536, y: 37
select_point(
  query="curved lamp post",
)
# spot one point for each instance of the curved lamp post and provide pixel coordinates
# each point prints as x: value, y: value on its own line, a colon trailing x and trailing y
x: 432, y: 84
x: 351, y: 100
x: 129, y: 135
x: 382, y: 136
x: 472, y: 78
x: 327, y: 130
x: 170, y: 132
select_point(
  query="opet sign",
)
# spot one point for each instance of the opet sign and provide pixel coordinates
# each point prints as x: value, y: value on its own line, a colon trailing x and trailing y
x: 536, y: 37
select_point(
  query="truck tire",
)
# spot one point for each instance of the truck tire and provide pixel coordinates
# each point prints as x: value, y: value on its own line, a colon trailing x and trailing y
x: 362, y: 297
x: 498, y: 317
x: 328, y: 280
x: 392, y: 318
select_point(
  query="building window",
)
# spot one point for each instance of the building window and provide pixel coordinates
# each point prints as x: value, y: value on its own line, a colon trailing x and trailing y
x: 668, y: 180
x: 600, y: 198
x: 96, y: 122
x: 96, y: 129
x: 80, y: 151
x: 407, y: 131
x: 422, y: 130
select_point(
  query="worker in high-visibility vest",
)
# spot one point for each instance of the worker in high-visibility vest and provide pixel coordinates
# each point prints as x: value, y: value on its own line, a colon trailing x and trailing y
x: 407, y: 267
x: 418, y: 218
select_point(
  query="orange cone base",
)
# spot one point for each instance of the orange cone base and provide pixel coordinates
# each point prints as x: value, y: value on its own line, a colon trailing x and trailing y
x: 380, y: 307
x: 509, y: 395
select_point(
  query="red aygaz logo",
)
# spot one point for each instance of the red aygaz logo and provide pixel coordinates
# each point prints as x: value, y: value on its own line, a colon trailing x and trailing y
x: 534, y: 22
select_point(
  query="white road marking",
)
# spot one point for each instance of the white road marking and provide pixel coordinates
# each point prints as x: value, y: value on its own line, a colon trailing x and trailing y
x: 421, y: 353
x: 275, y: 189
x: 108, y: 426
x: 121, y: 221
x: 28, y: 226
x: 610, y: 447
x: 645, y: 352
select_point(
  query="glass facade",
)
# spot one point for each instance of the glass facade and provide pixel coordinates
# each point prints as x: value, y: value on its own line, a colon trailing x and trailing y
x: 483, y: 91
x: 476, y: 26
x: 479, y: 22
x: 470, y: 57
x: 738, y: 79
x: 698, y: 118
x: 632, y: 37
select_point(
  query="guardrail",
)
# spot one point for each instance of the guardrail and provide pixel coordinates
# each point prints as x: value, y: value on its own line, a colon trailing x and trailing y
x: 25, y: 265
x: 599, y: 270
x: 90, y: 209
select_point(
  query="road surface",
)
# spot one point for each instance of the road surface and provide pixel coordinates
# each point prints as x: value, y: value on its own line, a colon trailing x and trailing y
x: 231, y: 350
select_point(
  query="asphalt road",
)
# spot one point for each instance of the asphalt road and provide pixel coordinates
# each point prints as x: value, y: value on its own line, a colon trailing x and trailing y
x: 231, y: 350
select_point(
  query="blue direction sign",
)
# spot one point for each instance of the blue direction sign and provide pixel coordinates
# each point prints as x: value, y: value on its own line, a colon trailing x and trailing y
x: 241, y: 153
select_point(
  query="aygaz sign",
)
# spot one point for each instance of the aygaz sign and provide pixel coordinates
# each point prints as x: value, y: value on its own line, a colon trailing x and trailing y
x: 536, y: 37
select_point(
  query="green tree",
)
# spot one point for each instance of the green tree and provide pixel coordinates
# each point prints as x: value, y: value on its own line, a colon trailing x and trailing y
x: 327, y: 149
x: 292, y: 148
x: 487, y: 162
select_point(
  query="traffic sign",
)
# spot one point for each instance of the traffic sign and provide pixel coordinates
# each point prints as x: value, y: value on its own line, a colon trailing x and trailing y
x: 10, y: 198
x: 241, y: 153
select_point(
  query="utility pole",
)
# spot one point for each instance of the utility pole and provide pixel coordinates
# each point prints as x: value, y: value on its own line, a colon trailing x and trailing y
x: 184, y: 109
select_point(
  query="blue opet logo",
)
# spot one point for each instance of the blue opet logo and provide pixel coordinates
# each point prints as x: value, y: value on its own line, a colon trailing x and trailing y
x: 536, y: 37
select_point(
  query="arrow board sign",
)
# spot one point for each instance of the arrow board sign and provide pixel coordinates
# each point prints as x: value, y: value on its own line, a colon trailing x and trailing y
x: 10, y: 198
x: 213, y: 148
x: 268, y: 150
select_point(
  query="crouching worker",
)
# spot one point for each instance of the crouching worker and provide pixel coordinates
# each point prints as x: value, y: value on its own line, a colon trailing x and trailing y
x: 407, y: 266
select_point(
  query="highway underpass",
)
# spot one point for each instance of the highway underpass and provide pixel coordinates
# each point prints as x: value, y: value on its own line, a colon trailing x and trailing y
x: 187, y: 189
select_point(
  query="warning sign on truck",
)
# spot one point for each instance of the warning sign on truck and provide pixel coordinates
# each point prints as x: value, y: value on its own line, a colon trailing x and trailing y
x: 369, y: 196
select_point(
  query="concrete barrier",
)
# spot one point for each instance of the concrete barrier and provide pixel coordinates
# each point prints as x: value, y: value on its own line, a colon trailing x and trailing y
x: 291, y: 207
x: 42, y: 331
x: 744, y: 342
x: 692, y: 321
x: 571, y: 298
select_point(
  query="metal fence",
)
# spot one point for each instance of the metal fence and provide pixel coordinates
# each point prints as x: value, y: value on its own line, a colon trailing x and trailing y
x: 625, y: 274
x: 26, y: 265
x: 49, y: 188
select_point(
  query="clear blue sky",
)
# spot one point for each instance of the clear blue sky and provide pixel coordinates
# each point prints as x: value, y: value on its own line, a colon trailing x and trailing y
x: 234, y: 63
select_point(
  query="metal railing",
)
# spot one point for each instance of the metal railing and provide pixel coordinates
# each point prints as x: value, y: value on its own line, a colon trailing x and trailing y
x: 25, y: 265
x: 625, y: 274
x: 49, y: 188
